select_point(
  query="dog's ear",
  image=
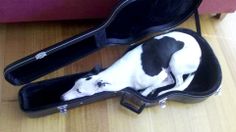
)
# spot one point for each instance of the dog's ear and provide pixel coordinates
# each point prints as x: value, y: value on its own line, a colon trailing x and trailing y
x: 97, y: 69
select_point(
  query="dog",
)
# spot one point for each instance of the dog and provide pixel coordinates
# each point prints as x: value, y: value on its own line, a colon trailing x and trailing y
x: 147, y: 67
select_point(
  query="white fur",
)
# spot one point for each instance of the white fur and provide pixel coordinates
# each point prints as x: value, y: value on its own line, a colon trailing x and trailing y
x: 128, y: 71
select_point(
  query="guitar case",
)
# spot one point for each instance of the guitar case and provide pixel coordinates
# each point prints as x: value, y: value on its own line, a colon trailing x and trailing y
x: 130, y: 22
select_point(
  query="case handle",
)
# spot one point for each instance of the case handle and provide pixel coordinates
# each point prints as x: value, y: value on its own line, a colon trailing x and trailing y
x: 132, y: 104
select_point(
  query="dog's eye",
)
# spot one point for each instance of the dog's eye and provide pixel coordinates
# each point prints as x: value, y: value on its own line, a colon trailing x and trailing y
x: 88, y: 78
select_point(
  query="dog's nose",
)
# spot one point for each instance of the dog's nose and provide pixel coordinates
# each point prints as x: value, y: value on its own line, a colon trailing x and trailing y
x: 68, y: 96
x: 63, y: 97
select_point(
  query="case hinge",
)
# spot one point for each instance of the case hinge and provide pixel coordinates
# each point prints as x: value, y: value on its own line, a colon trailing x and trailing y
x: 40, y: 55
x: 63, y: 109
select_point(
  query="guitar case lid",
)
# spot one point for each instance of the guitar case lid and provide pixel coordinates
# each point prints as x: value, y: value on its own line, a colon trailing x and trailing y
x: 130, y: 21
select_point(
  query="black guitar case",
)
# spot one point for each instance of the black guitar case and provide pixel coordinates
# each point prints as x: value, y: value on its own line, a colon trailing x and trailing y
x: 130, y: 21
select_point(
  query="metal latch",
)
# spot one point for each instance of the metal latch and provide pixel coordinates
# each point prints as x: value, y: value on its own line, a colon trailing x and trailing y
x: 163, y: 103
x: 40, y: 55
x: 63, y: 109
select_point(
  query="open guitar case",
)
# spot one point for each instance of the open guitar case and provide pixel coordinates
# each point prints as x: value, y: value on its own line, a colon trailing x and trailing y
x: 131, y: 21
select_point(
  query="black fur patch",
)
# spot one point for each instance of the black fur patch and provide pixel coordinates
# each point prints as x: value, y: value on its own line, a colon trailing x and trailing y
x: 157, y: 54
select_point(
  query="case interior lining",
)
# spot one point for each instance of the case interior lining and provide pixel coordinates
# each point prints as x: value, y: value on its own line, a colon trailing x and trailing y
x: 60, y: 58
x: 48, y: 93
x: 143, y: 14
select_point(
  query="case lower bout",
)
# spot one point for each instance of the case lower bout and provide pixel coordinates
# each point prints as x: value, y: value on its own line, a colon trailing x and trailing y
x: 44, y: 97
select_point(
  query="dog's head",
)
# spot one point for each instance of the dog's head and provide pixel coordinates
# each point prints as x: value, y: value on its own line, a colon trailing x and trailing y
x: 86, y: 87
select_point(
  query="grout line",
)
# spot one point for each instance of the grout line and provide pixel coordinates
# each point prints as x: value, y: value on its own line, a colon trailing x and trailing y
x: 8, y: 101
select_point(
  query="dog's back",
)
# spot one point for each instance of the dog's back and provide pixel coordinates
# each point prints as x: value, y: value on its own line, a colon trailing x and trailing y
x: 157, y: 54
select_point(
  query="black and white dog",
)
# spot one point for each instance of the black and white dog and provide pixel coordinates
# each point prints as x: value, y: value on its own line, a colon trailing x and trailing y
x: 148, y: 66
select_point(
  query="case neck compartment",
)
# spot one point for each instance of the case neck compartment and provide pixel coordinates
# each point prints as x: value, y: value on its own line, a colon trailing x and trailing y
x: 130, y: 21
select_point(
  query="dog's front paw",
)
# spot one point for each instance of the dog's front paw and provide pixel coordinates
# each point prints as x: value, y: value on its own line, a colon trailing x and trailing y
x: 146, y: 92
x: 163, y: 92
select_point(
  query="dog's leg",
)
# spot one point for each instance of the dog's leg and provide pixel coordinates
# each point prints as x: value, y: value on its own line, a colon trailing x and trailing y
x: 179, y: 80
x: 181, y: 87
x: 147, y: 91
x: 168, y: 81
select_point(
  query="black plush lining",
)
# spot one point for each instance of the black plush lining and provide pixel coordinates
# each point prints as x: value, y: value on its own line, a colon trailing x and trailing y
x: 64, y: 55
x: 47, y: 94
x: 39, y: 95
x: 141, y: 15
